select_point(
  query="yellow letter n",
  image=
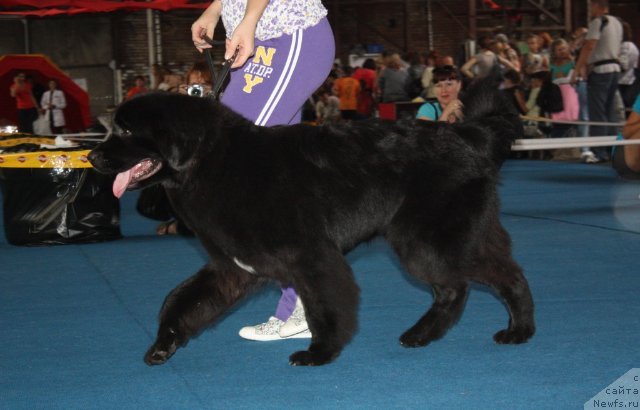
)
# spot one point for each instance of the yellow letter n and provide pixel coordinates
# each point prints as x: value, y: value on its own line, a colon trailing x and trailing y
x: 264, y: 55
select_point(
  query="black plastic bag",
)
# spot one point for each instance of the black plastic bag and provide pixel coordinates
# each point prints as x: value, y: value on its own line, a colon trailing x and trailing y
x: 62, y: 205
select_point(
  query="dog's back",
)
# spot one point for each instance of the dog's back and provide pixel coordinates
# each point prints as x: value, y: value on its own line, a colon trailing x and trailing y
x: 435, y: 151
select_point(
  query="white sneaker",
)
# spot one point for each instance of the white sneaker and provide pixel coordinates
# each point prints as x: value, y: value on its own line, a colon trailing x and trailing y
x: 296, y: 325
x: 264, y: 331
x: 589, y: 157
x: 268, y: 331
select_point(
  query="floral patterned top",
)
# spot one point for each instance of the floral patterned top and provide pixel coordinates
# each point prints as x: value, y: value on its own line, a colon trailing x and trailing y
x: 280, y: 17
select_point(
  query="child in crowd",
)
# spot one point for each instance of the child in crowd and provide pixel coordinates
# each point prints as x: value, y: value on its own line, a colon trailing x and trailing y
x: 534, y: 60
x: 562, y: 62
x: 427, y: 75
x: 561, y: 69
x: 508, y: 52
x: 327, y: 108
x: 533, y: 129
x: 347, y: 89
x: 511, y: 87
x: 535, y: 84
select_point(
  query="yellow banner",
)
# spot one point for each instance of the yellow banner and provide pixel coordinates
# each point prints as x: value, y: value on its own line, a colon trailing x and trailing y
x: 46, y: 159
x: 12, y: 142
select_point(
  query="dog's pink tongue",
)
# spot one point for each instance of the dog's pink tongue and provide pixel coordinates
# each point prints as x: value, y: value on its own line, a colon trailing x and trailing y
x: 121, y: 182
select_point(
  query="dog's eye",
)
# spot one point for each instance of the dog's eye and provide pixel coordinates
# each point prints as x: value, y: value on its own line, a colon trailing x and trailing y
x: 123, y: 132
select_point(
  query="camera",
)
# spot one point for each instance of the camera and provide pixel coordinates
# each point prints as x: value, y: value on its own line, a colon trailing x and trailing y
x: 195, y: 90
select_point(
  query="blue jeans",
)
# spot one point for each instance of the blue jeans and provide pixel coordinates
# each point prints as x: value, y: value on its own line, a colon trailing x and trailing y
x: 601, y: 91
x: 583, y: 130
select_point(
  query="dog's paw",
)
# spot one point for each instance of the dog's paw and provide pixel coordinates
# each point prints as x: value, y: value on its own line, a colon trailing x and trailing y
x: 514, y: 336
x: 164, y: 347
x: 414, y: 339
x: 307, y: 358
x: 156, y: 355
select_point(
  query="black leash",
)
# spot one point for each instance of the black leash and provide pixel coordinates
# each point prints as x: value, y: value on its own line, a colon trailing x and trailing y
x: 224, y: 72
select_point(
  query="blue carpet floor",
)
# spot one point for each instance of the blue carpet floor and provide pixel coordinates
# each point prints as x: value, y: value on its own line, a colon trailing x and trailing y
x: 76, y: 320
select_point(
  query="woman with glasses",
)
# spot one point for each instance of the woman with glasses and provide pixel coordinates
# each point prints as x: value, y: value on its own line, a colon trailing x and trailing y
x: 447, y: 86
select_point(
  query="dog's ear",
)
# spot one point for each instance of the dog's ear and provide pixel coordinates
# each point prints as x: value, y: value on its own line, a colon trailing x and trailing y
x: 483, y: 98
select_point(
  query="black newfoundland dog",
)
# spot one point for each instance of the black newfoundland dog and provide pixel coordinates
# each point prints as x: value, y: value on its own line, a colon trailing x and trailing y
x: 285, y: 203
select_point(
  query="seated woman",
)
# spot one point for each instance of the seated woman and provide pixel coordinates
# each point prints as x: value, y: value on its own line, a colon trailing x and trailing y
x: 447, y: 86
x: 626, y: 158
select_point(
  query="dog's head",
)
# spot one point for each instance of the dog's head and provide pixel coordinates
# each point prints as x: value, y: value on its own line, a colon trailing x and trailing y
x: 155, y: 137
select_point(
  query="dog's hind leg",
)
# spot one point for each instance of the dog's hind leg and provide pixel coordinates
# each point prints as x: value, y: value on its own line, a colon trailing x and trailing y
x: 517, y: 296
x: 498, y: 270
x: 195, y: 304
x: 432, y: 244
x: 330, y: 296
x: 444, y: 313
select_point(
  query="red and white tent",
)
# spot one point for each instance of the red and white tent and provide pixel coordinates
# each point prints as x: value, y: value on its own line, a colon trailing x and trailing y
x: 77, y: 113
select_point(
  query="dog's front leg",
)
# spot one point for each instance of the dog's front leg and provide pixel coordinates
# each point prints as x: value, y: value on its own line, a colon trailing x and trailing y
x: 195, y: 304
x: 330, y: 296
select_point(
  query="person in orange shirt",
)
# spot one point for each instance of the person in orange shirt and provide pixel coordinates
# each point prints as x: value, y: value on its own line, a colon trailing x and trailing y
x: 347, y: 89
x: 139, y: 88
x: 21, y: 90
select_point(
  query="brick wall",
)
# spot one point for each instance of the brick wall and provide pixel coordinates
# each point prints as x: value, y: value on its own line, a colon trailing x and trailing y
x: 384, y: 23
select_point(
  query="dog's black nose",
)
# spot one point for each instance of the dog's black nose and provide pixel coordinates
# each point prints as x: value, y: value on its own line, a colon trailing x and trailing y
x: 97, y: 159
x: 93, y: 157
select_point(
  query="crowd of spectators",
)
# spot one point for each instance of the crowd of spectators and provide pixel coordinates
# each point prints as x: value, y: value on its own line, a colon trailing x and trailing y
x: 590, y: 74
x: 546, y: 76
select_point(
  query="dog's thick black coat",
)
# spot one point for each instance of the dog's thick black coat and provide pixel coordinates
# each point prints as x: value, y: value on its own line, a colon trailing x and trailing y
x: 285, y: 203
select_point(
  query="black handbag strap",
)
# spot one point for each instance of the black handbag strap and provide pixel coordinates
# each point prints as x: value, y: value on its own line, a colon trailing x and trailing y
x: 218, y: 80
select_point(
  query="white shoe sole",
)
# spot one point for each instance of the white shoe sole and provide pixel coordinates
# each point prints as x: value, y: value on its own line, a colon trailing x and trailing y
x: 289, y: 329
x: 249, y: 334
x: 305, y: 334
x: 258, y: 338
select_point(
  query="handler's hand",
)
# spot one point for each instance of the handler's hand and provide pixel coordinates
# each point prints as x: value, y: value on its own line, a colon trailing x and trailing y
x: 243, y: 40
x: 205, y: 25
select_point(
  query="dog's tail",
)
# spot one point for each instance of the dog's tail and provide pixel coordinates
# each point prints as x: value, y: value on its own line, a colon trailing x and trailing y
x: 487, y: 107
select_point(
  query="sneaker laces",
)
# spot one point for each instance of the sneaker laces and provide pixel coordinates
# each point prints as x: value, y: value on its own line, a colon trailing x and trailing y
x: 270, y: 327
